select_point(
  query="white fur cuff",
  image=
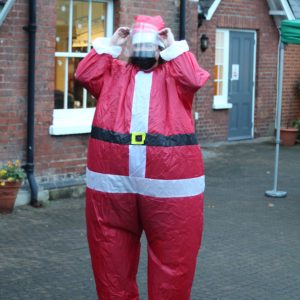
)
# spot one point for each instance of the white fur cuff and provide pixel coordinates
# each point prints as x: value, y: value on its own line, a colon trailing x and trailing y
x: 176, y: 49
x: 102, y: 45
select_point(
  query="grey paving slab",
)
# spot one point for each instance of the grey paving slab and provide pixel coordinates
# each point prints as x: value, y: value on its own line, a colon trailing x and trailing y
x: 250, y: 249
x: 251, y: 245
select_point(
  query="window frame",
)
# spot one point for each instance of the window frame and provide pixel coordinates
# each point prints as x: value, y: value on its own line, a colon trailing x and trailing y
x: 77, y: 120
x: 221, y: 102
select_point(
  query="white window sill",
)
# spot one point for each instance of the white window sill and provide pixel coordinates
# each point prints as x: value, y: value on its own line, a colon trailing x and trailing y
x: 72, y: 121
x: 65, y: 130
x: 217, y: 106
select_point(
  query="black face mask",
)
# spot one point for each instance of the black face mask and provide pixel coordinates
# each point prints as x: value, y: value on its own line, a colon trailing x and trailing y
x: 144, y: 63
x: 145, y: 60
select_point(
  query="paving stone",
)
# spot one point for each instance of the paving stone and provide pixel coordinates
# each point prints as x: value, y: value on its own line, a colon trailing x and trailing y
x: 250, y: 248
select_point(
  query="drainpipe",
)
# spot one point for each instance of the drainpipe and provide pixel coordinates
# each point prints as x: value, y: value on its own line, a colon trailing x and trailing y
x: 29, y: 167
x: 182, y: 20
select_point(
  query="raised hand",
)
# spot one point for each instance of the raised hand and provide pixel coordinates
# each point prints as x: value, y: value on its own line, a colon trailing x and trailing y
x: 120, y: 36
x: 167, y: 36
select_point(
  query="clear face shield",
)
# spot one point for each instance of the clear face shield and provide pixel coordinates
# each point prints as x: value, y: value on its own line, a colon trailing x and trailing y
x: 143, y: 46
x: 144, y: 50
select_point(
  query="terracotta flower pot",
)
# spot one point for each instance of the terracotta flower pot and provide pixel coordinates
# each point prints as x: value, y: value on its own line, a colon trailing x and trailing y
x: 8, y: 195
x: 288, y: 136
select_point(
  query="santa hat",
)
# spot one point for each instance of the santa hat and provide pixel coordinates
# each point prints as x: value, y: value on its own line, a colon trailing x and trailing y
x: 146, y: 28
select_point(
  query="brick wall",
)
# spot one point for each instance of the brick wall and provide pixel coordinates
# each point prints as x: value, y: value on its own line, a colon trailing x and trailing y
x: 63, y: 158
x: 240, y: 14
x: 168, y: 9
x: 13, y: 88
x: 56, y: 156
x: 290, y: 92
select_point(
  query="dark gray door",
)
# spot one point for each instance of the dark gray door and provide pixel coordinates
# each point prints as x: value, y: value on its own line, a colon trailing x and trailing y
x: 240, y: 85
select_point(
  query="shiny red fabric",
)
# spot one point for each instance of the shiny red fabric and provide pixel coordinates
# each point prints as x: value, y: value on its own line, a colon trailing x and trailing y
x: 115, y: 221
x: 173, y: 228
x: 173, y: 86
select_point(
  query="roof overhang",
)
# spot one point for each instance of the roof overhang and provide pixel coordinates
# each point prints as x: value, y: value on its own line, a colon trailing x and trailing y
x: 212, y: 9
x: 280, y: 10
x: 5, y: 10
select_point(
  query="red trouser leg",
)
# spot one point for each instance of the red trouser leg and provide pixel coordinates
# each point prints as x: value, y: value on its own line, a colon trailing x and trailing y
x: 174, y: 229
x: 113, y: 231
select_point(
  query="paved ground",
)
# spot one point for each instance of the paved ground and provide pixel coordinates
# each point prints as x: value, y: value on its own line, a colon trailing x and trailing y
x: 251, y: 245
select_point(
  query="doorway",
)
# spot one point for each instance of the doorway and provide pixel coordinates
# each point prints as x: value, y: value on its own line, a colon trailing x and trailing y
x: 241, y: 85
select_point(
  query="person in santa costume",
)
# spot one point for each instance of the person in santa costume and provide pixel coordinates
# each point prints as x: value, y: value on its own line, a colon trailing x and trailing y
x: 145, y: 170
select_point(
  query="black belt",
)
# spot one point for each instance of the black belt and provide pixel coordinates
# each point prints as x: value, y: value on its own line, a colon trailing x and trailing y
x: 140, y: 138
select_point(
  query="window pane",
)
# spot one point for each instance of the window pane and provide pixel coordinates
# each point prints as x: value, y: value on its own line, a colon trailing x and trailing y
x: 62, y: 25
x: 89, y: 21
x: 216, y: 72
x: 221, y: 72
x: 215, y: 88
x: 220, y: 62
x: 80, y: 26
x: 220, y: 39
x: 219, y: 58
x: 91, y: 101
x: 220, y: 88
x: 99, y: 17
x: 76, y: 95
x: 60, y: 66
x: 75, y: 90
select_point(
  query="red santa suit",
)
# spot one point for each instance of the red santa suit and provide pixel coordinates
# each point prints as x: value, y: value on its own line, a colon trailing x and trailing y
x: 144, y: 172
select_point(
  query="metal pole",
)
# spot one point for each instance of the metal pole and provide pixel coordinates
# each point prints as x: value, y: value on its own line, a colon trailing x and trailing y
x: 274, y: 193
x: 29, y: 168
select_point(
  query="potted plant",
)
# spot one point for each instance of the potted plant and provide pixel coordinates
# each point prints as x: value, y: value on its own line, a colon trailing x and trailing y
x: 296, y: 124
x: 11, y: 177
x: 288, y: 136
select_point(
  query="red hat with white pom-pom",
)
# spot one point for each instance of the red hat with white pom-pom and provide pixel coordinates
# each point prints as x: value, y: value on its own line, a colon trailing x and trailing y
x: 146, y: 28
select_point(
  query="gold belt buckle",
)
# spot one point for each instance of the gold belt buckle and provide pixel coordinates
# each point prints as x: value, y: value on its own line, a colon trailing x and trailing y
x: 138, y: 138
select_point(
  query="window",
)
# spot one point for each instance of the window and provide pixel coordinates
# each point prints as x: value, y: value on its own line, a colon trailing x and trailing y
x: 78, y: 23
x: 221, y: 70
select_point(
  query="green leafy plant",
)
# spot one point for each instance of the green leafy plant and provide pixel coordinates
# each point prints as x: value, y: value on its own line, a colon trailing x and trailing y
x: 12, y: 171
x: 296, y: 124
